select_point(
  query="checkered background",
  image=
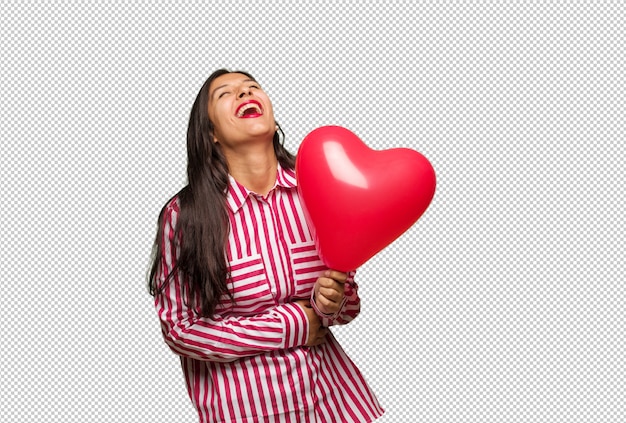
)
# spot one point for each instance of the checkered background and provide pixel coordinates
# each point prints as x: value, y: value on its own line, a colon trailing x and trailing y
x: 504, y: 302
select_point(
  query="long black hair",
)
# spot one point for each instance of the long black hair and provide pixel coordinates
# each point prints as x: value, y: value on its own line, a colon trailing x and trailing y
x: 203, y: 217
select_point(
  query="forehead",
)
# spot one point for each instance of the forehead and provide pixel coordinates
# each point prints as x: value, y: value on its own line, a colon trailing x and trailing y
x: 228, y: 79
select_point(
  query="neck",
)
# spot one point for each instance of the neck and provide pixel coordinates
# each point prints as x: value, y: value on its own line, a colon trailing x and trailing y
x: 255, y: 170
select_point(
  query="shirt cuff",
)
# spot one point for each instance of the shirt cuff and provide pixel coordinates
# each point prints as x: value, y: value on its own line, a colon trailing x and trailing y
x: 295, y: 324
x: 327, y: 319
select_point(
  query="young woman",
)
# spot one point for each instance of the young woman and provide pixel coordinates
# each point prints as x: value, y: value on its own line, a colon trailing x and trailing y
x: 239, y: 288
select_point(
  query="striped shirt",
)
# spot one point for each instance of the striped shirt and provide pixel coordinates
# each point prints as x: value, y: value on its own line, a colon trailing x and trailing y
x: 248, y: 363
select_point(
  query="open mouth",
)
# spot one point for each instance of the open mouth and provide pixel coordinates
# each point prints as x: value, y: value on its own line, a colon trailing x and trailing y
x: 249, y: 109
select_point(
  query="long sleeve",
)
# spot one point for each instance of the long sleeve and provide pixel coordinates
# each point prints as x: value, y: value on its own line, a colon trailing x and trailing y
x: 221, y: 338
x: 249, y: 362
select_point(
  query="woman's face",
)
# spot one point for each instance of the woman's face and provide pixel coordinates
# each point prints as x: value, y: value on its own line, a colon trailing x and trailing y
x: 240, y: 111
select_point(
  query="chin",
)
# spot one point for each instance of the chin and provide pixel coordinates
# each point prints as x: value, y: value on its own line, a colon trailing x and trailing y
x: 263, y: 132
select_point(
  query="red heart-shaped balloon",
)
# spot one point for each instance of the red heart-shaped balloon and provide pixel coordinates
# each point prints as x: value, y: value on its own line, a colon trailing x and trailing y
x: 358, y: 200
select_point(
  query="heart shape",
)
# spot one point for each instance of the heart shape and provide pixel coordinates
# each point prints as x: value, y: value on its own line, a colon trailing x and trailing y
x: 358, y: 200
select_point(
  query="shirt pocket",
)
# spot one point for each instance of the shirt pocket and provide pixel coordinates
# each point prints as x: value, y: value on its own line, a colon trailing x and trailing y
x: 249, y: 287
x: 307, y: 267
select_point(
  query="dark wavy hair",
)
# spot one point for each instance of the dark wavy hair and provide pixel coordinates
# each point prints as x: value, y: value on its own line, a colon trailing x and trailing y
x: 203, y: 217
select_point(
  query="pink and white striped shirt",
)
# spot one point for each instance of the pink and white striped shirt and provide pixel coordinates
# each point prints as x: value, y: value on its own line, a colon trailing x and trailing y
x: 248, y: 363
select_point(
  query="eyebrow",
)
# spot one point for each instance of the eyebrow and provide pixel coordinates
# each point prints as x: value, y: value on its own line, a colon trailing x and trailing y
x: 226, y: 85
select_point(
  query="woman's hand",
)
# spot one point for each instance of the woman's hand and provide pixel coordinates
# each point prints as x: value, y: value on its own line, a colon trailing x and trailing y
x: 329, y: 291
x: 317, y: 333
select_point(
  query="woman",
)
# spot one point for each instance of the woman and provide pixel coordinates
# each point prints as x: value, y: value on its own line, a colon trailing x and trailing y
x: 239, y: 288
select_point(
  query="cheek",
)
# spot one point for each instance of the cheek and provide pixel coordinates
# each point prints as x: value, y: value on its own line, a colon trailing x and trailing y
x: 269, y: 109
x: 270, y: 112
x: 218, y: 117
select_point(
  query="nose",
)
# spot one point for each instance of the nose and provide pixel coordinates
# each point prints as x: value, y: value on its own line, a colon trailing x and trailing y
x: 243, y: 91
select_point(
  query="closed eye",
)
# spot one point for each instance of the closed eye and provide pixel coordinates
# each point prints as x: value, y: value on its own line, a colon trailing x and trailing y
x: 222, y: 94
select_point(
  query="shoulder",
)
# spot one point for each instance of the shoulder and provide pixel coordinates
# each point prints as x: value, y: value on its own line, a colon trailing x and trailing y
x: 172, y: 205
x: 171, y: 209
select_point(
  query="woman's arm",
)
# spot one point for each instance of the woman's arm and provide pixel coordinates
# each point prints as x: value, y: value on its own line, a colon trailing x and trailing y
x: 219, y: 338
x: 228, y: 338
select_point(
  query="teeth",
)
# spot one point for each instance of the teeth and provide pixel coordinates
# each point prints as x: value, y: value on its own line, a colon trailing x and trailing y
x: 248, y: 106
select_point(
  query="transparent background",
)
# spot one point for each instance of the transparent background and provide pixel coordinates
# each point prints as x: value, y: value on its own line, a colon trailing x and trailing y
x: 504, y: 302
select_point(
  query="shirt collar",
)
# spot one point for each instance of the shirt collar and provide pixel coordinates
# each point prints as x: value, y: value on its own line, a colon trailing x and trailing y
x: 237, y: 194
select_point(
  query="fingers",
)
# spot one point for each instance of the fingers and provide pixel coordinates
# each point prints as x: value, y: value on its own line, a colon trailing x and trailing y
x: 330, y: 289
x: 318, y: 337
x: 336, y: 275
x: 317, y: 333
x: 329, y: 301
x: 330, y: 283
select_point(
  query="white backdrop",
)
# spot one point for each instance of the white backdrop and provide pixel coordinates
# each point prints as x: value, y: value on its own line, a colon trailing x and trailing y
x: 505, y: 302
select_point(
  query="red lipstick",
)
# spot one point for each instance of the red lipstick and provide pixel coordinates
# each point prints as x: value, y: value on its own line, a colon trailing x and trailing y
x: 249, y: 109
